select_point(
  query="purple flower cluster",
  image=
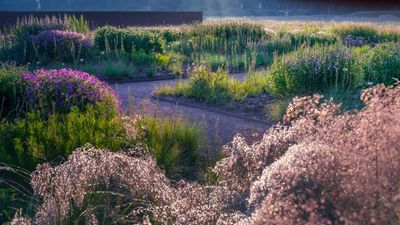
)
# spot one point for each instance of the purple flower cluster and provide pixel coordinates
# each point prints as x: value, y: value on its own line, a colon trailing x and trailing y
x: 64, y: 46
x: 51, y: 37
x: 60, y: 90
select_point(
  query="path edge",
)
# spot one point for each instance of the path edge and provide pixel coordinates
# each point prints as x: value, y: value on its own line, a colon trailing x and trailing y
x: 212, y: 109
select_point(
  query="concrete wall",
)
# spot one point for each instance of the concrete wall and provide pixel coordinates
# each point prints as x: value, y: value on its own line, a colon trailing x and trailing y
x: 120, y: 19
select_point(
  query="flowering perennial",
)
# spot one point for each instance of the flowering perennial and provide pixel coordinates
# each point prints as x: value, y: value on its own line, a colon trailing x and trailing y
x: 60, y: 90
x: 61, y: 45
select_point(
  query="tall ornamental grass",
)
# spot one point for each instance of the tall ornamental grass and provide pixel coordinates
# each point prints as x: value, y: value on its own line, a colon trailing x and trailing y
x: 382, y: 64
x: 314, y: 70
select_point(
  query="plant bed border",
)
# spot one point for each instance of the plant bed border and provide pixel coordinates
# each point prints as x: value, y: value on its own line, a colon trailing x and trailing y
x: 141, y: 79
x: 208, y: 107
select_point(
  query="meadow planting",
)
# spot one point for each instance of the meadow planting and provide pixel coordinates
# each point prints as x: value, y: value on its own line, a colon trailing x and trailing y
x: 70, y: 153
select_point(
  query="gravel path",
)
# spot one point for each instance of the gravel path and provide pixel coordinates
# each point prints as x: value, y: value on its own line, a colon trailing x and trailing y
x: 220, y: 128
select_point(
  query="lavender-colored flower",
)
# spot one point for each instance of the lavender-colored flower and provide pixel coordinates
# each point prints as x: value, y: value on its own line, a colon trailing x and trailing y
x: 66, y: 88
x: 61, y: 45
x: 50, y: 37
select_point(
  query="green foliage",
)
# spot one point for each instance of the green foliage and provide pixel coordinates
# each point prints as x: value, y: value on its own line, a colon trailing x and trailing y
x: 77, y: 24
x: 368, y: 32
x: 127, y: 40
x: 223, y: 38
x: 34, y: 139
x: 12, y: 90
x: 365, y: 31
x: 175, y: 144
x: 209, y: 86
x: 382, y: 64
x: 217, y: 87
x: 18, y: 46
x: 141, y: 57
x: 313, y: 70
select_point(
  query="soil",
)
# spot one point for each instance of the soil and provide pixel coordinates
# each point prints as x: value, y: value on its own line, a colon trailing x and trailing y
x: 220, y: 127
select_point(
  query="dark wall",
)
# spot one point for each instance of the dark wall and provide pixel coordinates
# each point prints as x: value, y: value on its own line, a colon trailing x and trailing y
x: 121, y: 19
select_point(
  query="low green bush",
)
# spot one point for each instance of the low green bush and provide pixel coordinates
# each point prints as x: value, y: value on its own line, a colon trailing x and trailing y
x: 34, y: 139
x: 314, y: 70
x: 382, y: 64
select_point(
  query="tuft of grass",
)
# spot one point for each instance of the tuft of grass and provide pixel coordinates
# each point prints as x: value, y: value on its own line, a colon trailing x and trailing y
x: 175, y: 143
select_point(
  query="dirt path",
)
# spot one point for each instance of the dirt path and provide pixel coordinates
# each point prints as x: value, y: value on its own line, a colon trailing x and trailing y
x: 220, y: 128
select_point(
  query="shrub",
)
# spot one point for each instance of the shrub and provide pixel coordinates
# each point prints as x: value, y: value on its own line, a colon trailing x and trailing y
x: 64, y: 46
x: 314, y: 70
x: 127, y: 40
x: 59, y: 90
x: 382, y: 64
x: 33, y: 140
x: 107, y: 187
x: 12, y: 90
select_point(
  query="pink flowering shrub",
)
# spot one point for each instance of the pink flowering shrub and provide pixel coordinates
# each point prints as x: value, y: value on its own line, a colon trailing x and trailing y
x: 60, y: 90
x: 322, y: 168
x: 65, y: 46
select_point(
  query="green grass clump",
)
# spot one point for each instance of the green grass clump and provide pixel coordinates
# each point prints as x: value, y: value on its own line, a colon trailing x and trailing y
x: 175, y: 144
x: 216, y: 87
x: 222, y: 38
x: 314, y: 70
x: 382, y: 64
x: 127, y: 40
x: 34, y: 139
